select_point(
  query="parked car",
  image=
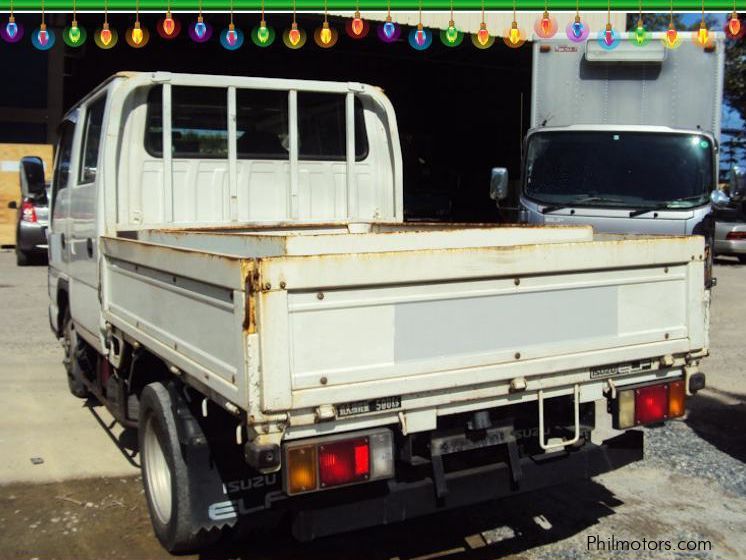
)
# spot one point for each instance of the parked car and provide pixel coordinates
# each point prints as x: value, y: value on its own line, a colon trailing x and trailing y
x: 33, y: 213
x: 730, y: 227
x: 730, y: 239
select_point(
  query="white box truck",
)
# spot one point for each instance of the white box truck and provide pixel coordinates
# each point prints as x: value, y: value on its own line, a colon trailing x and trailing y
x: 230, y: 273
x: 625, y: 140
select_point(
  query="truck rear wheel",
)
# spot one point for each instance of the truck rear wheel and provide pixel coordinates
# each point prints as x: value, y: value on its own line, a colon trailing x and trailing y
x: 165, y: 474
x: 73, y: 357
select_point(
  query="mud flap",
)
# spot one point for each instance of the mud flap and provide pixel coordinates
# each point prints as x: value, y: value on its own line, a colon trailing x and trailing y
x: 222, y: 487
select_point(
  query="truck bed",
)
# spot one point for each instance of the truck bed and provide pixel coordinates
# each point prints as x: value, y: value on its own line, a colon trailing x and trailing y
x: 282, y: 320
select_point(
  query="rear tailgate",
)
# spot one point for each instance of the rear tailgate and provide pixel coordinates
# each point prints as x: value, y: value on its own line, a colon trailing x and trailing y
x: 440, y: 323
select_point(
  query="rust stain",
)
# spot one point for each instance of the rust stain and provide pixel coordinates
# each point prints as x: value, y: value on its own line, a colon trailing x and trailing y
x: 250, y: 274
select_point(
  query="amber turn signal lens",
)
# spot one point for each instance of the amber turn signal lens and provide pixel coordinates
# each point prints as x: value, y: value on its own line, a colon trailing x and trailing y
x: 301, y: 465
x: 676, y: 399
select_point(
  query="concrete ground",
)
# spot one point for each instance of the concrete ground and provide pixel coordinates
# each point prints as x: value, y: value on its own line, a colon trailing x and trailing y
x: 85, y: 500
x: 38, y: 416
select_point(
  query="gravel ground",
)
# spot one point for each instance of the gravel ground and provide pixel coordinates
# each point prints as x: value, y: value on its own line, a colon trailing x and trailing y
x: 690, y: 489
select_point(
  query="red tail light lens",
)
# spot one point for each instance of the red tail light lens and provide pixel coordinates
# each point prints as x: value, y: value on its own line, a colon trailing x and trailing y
x: 344, y: 462
x: 736, y: 235
x: 651, y: 404
x: 28, y: 212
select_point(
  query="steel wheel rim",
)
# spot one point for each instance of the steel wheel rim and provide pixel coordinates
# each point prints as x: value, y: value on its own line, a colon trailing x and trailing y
x: 157, y: 474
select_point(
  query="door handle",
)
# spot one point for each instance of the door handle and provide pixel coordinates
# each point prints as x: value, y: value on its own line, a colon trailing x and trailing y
x: 89, y: 247
x: 62, y: 240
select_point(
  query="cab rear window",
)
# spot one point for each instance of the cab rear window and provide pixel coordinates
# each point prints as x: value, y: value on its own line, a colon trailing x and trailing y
x: 199, y: 125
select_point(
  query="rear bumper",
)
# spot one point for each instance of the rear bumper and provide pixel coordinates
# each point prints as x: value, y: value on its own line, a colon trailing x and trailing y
x: 727, y: 247
x: 32, y: 237
x: 320, y: 516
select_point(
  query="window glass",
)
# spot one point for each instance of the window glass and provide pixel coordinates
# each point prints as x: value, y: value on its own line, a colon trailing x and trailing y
x: 322, y: 129
x: 62, y: 163
x: 632, y: 169
x: 262, y: 124
x: 200, y: 117
x: 199, y: 122
x: 91, y: 141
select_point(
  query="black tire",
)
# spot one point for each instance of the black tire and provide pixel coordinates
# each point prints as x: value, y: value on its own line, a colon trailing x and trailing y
x: 167, y: 493
x: 22, y: 258
x: 742, y: 259
x: 74, y: 359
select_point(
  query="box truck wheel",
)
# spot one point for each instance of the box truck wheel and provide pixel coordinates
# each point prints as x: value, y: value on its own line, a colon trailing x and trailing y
x: 165, y: 474
x: 74, y: 355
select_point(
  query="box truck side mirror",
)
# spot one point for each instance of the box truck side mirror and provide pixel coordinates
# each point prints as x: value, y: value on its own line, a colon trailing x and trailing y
x: 499, y: 184
x: 719, y: 199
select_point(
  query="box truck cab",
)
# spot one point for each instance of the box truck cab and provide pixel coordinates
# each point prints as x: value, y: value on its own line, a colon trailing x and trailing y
x: 625, y: 140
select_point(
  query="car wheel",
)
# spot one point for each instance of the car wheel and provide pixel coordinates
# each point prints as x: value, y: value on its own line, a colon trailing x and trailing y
x: 742, y: 259
x: 165, y: 475
x: 72, y: 360
x: 22, y: 258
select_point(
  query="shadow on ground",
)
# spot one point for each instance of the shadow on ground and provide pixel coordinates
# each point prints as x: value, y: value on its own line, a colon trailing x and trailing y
x: 487, y: 531
x: 719, y: 417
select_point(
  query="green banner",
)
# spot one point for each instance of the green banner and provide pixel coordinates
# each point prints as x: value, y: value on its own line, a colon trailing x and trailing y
x: 377, y: 5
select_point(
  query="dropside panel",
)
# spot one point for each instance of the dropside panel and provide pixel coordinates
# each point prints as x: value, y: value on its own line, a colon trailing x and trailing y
x: 366, y: 334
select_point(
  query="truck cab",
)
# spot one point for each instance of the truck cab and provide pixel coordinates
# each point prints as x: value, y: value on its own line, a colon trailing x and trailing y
x: 619, y: 178
x: 619, y: 140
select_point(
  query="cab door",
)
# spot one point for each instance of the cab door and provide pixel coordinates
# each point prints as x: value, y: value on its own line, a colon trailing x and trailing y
x: 83, y: 242
x: 58, y: 233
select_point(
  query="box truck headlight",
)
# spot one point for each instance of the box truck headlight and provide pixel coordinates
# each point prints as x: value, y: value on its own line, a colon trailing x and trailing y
x: 329, y: 462
x: 649, y: 404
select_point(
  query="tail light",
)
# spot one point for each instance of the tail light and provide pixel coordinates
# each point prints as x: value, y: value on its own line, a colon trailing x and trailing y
x: 28, y: 212
x: 735, y: 235
x: 648, y: 404
x: 322, y: 463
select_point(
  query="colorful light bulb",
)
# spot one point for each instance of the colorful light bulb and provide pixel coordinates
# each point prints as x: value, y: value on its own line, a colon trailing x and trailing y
x: 419, y: 36
x: 169, y: 25
x: 483, y: 36
x: 546, y: 23
x: 294, y: 34
x: 262, y: 33
x: 231, y: 36
x: 703, y: 34
x: 671, y: 35
x: 577, y: 27
x: 137, y: 35
x: 608, y: 35
x: 451, y: 32
x: 326, y: 33
x: 11, y: 28
x: 106, y: 34
x: 74, y: 33
x: 389, y: 28
x: 200, y: 28
x: 734, y: 24
x: 640, y: 32
x: 514, y: 35
x: 357, y: 25
x: 42, y: 35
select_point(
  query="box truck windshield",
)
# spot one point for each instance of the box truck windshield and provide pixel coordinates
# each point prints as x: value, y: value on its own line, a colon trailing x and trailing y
x: 636, y: 170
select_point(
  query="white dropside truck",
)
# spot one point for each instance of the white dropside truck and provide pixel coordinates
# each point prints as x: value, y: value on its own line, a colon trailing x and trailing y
x: 230, y: 273
x: 625, y: 140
